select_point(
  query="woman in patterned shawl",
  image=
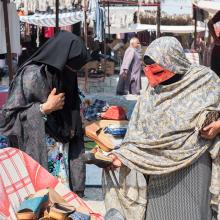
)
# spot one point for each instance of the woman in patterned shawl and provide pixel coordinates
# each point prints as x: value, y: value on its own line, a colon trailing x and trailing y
x: 165, y: 143
x: 42, y: 113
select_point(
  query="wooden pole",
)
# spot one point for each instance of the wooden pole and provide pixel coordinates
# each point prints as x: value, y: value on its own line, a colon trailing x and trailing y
x: 7, y: 37
x: 158, y: 20
x: 57, y: 16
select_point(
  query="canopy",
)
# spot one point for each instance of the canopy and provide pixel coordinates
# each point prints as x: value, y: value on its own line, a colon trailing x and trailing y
x: 47, y: 20
x: 164, y: 29
x: 209, y: 6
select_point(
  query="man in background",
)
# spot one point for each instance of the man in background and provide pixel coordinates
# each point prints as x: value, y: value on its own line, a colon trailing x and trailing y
x: 130, y: 73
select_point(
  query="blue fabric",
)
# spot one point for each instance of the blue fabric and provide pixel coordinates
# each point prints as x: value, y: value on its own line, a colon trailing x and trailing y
x: 100, y: 24
x: 92, y: 112
x: 79, y: 216
x: 120, y: 131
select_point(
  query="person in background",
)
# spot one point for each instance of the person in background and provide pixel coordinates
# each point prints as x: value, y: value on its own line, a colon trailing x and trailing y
x: 130, y: 73
x: 215, y: 57
x: 42, y: 113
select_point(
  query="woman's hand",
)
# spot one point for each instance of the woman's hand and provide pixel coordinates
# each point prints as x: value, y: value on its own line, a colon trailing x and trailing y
x: 54, y: 102
x: 116, y: 163
x: 211, y: 131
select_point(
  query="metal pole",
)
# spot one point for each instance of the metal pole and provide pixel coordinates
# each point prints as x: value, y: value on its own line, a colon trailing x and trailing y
x: 85, y: 33
x: 57, y: 16
x: 158, y: 20
x: 108, y: 23
x: 7, y: 37
x: 195, y: 30
x: 105, y: 47
x: 85, y: 24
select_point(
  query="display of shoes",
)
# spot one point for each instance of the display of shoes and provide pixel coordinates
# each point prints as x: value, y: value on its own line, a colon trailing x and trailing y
x: 31, y: 207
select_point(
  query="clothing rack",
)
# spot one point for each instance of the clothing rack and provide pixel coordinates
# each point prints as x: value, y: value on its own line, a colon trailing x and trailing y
x: 132, y: 3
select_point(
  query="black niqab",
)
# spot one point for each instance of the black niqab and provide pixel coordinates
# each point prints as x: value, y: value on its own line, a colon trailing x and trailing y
x: 64, y: 48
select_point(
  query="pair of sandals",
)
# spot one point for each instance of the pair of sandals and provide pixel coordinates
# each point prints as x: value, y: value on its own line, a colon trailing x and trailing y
x: 97, y: 158
x: 47, y: 204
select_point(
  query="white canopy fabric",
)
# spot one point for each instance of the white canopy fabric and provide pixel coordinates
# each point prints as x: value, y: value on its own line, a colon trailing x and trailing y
x: 47, y: 20
x: 163, y: 28
x: 209, y: 6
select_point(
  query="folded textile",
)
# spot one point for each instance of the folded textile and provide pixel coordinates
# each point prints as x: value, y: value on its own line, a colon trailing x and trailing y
x: 92, y: 112
x: 114, y: 113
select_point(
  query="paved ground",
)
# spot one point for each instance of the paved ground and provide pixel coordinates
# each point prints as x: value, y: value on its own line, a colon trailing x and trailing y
x: 94, y: 198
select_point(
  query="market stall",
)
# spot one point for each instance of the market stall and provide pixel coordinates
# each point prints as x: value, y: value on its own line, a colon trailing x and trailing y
x: 210, y: 6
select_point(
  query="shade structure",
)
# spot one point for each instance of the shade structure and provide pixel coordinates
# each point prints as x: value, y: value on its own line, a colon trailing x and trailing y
x: 209, y: 6
x: 164, y: 29
x: 49, y: 20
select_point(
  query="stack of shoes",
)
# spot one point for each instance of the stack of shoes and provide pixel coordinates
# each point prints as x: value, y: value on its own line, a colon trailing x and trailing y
x: 97, y: 134
x: 97, y: 157
x: 47, y: 204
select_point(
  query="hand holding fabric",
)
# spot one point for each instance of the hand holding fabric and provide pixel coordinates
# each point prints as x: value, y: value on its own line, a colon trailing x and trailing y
x: 54, y: 102
x: 211, y: 131
x: 116, y: 162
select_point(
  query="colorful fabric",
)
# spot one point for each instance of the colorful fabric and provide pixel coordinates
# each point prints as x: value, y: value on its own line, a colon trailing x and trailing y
x: 163, y: 133
x: 21, y: 176
x: 58, y: 160
x: 93, y: 111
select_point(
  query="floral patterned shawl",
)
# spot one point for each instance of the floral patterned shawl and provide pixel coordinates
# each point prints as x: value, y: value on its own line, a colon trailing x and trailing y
x: 163, y: 134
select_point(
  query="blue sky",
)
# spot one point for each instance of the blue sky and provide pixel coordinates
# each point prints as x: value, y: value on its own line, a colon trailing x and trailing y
x: 177, y: 6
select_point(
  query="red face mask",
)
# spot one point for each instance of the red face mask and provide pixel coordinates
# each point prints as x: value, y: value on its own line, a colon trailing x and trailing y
x: 157, y: 74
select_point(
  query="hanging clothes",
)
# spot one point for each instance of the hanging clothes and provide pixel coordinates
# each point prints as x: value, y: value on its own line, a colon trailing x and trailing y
x: 14, y: 29
x: 48, y: 32
x: 100, y: 24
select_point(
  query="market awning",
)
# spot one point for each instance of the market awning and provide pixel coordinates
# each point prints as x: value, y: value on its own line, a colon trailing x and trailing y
x: 47, y: 20
x: 164, y: 29
x: 209, y: 6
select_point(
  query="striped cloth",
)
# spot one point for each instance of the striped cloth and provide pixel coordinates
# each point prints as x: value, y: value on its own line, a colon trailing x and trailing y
x: 49, y: 20
x: 21, y: 176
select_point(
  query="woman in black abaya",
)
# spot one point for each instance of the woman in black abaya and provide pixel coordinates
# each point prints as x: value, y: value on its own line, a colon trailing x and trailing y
x: 42, y: 113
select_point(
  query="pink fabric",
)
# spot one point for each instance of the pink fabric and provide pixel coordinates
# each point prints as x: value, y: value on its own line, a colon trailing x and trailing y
x: 3, y: 98
x: 48, y: 32
x: 21, y: 176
